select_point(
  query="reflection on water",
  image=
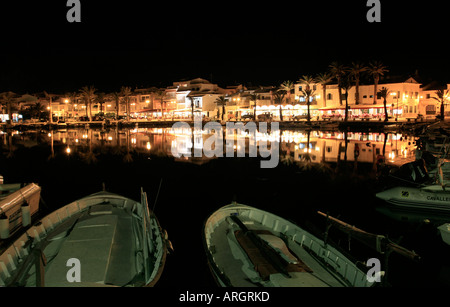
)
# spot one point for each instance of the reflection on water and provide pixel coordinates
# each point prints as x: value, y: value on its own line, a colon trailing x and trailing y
x: 70, y: 164
x: 295, y: 146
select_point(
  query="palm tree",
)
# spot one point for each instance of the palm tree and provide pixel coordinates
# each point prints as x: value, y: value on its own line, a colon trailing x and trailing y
x: 346, y: 85
x: 72, y: 98
x: 161, y: 94
x: 8, y: 99
x: 384, y: 92
x: 36, y: 110
x: 287, y: 87
x: 307, y: 80
x: 376, y: 70
x: 116, y: 97
x: 338, y: 71
x: 50, y: 98
x: 308, y: 92
x: 101, y: 98
x: 88, y: 94
x: 442, y: 97
x: 278, y: 98
x: 220, y: 101
x: 253, y: 97
x: 355, y: 71
x: 324, y: 79
x: 126, y: 92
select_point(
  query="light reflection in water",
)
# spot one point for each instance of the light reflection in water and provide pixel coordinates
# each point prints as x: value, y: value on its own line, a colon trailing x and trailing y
x: 295, y: 145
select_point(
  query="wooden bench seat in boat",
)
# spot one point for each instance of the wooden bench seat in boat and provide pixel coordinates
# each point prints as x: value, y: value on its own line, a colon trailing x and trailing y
x: 264, y: 266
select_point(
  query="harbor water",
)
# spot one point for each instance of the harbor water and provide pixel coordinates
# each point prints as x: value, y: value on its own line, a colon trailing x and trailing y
x: 329, y: 171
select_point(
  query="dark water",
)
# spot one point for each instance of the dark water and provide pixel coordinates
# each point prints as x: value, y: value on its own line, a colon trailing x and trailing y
x: 189, y: 192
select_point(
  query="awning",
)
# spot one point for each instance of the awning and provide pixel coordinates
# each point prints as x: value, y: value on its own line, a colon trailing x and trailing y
x: 187, y: 110
x: 355, y: 107
x: 147, y: 110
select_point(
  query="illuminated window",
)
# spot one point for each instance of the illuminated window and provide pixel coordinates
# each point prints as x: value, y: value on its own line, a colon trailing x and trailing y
x: 430, y: 110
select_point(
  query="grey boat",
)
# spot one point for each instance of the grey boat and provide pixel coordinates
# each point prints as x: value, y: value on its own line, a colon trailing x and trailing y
x: 101, y: 240
x: 249, y: 247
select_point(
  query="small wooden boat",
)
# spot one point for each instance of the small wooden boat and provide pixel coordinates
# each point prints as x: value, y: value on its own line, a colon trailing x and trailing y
x: 101, y: 240
x: 249, y: 247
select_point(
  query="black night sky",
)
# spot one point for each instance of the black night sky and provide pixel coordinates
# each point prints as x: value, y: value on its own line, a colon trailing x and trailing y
x: 150, y: 43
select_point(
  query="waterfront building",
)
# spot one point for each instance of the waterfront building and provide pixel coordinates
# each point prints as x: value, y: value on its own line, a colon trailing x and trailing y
x: 407, y: 99
x: 430, y: 107
x: 402, y: 101
x: 198, y: 96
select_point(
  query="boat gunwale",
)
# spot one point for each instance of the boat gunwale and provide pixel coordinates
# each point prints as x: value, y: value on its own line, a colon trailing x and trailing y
x: 323, y: 262
x: 22, y: 247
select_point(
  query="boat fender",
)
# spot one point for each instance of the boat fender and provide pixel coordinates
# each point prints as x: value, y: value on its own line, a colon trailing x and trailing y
x: 26, y: 215
x: 4, y: 226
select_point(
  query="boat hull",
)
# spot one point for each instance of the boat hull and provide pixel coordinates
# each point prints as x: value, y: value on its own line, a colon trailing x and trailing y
x: 432, y: 198
x: 12, y: 205
x: 116, y: 241
x: 298, y: 261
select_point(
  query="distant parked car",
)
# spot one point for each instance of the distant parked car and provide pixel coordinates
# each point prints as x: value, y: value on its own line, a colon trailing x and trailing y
x: 299, y: 117
x: 247, y: 116
x: 334, y: 116
x: 264, y: 117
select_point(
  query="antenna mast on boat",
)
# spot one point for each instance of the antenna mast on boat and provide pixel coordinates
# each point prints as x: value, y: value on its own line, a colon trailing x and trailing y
x: 157, y: 194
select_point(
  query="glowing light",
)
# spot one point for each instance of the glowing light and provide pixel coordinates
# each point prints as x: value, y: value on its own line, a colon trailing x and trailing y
x: 68, y: 150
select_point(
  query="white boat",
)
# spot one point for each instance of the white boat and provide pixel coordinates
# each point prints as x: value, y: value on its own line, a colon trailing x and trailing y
x: 249, y: 247
x: 18, y: 204
x: 419, y: 191
x: 433, y: 198
x: 444, y: 229
x: 108, y: 239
